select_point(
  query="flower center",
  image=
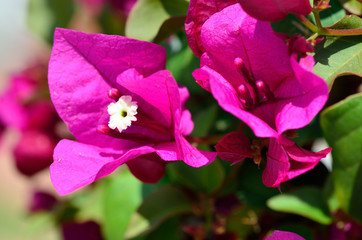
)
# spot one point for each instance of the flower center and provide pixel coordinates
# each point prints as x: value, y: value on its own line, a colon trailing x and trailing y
x: 122, y: 113
x: 253, y: 92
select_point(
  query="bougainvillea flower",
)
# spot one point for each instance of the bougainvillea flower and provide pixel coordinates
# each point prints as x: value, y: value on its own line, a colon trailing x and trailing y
x: 94, y: 79
x: 275, y: 10
x: 13, y: 110
x: 25, y: 107
x: 283, y: 235
x: 248, y: 70
x: 34, y: 151
x: 199, y: 11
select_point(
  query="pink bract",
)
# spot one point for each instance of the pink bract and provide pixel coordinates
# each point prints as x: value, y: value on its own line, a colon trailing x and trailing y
x: 199, y: 11
x: 275, y: 10
x: 82, y: 70
x: 25, y: 108
x: 248, y: 70
x: 283, y: 235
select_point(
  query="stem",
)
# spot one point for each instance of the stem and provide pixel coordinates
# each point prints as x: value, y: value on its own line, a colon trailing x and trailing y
x: 314, y: 36
x: 326, y: 31
x: 341, y: 32
x: 317, y: 20
x: 307, y: 23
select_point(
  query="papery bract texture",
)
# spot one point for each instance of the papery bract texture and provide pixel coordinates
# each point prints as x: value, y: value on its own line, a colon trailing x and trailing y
x: 234, y: 147
x: 283, y: 235
x: 275, y: 10
x: 199, y: 11
x: 87, y: 72
x: 272, y: 96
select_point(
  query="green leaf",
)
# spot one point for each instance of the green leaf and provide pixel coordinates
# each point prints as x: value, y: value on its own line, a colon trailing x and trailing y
x: 338, y: 56
x: 137, y: 227
x: 164, y: 202
x: 122, y: 196
x: 291, y: 25
x: 204, y: 120
x: 169, y: 27
x: 342, y: 127
x: 250, y: 185
x: 348, y: 22
x: 204, y: 179
x: 169, y: 229
x: 147, y: 17
x: 330, y: 15
x: 45, y: 15
x: 352, y: 6
x: 307, y: 202
x: 111, y: 22
x: 158, y: 206
x: 182, y: 65
x: 40, y: 18
x: 90, y: 202
x: 329, y: 193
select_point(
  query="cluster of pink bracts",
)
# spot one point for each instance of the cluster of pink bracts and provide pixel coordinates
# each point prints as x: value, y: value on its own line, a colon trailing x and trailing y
x: 123, y: 107
x: 26, y: 109
x: 251, y: 72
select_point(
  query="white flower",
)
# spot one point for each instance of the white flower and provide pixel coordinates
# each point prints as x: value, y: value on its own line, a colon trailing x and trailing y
x: 122, y: 113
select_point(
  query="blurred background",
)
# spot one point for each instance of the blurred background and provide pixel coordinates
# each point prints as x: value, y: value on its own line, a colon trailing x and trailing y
x: 30, y: 127
x: 18, y: 46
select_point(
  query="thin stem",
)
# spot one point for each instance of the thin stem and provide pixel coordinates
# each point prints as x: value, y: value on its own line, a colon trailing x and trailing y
x: 314, y: 36
x: 307, y: 23
x: 326, y: 31
x: 341, y: 32
x: 317, y: 20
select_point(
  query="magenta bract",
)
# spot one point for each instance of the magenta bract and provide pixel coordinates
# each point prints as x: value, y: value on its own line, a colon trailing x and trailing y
x: 248, y: 70
x: 199, y: 11
x: 283, y: 235
x: 275, y: 10
x: 34, y: 151
x: 234, y: 147
x: 91, y: 77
